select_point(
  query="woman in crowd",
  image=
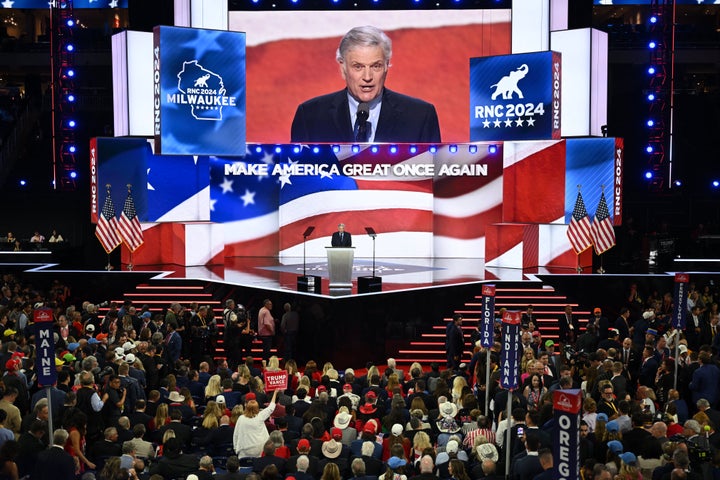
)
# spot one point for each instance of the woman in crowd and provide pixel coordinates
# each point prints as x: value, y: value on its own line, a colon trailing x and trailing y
x: 214, y: 388
x: 8, y: 453
x: 534, y: 392
x: 250, y: 433
x: 76, y: 425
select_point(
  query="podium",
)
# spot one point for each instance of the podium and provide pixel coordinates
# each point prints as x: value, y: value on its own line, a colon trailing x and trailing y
x: 340, y: 263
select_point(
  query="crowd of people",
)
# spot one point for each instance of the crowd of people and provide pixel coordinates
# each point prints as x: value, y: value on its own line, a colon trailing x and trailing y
x: 133, y: 400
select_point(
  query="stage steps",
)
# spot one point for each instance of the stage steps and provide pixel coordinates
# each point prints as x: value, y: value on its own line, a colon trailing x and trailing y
x: 547, y: 303
x: 159, y: 295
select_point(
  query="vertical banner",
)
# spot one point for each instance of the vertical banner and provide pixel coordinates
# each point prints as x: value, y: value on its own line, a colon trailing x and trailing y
x: 681, y: 287
x: 566, y: 440
x: 198, y: 91
x: 509, y: 358
x: 487, y: 325
x: 45, y: 347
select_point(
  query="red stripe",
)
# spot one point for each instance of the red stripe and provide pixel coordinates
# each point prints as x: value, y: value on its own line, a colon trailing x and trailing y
x: 466, y: 228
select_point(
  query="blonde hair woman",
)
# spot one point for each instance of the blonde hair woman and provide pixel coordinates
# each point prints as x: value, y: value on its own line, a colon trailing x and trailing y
x: 421, y: 441
x: 457, y: 390
x: 214, y: 387
x: 161, y: 417
x: 235, y: 413
x: 327, y: 366
x: 273, y: 364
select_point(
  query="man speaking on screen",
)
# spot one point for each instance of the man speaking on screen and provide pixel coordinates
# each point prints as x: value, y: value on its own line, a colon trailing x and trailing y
x: 365, y: 111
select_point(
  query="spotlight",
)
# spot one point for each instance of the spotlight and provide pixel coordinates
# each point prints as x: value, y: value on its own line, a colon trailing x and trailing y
x: 413, y: 149
x: 648, y: 175
x: 316, y: 149
x: 716, y: 183
x: 296, y: 149
x: 71, y: 73
x: 355, y: 148
x: 473, y: 149
x: 433, y: 149
x: 650, y: 123
x: 258, y: 149
x: 71, y: 98
x: 492, y: 149
x: 278, y: 149
x: 71, y: 123
x: 393, y: 149
x: 678, y: 183
x: 653, y: 19
x: 72, y: 149
x: 652, y: 45
x: 651, y: 70
x: 336, y: 148
x: 649, y: 149
x: 22, y: 182
x: 453, y: 148
x: 73, y: 175
x: 70, y: 47
x: 651, y: 97
x: 374, y: 149
x: 70, y: 22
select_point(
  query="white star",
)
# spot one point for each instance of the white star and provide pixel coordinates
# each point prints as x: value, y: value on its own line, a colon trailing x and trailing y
x: 52, y: 4
x: 147, y: 174
x: 325, y: 174
x: 267, y: 158
x: 7, y: 4
x: 248, y: 198
x: 212, y: 204
x: 497, y: 123
x: 531, y: 122
x: 113, y: 3
x: 226, y: 185
x: 486, y: 123
x: 519, y: 122
x: 284, y: 179
x: 508, y: 123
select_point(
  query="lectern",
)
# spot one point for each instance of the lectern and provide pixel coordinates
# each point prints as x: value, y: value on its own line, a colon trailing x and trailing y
x: 340, y: 263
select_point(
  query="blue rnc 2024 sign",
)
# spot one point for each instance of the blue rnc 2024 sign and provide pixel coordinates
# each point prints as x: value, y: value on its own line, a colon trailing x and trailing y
x: 515, y: 97
x: 199, y: 90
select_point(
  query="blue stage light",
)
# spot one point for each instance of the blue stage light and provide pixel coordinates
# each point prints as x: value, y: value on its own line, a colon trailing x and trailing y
x: 71, y: 123
x: 433, y: 149
x: 71, y: 73
x: 652, y: 45
x: 453, y: 148
x: 653, y: 19
x: 72, y: 149
x: 71, y: 98
x: 678, y: 183
x: 70, y: 22
x: 296, y: 149
x: 648, y: 175
x: 473, y: 149
x: 336, y: 148
x: 393, y: 149
x: 278, y: 150
x: 316, y: 149
x: 73, y: 175
x: 355, y: 148
x: 374, y: 149
x: 651, y: 97
x: 22, y: 182
x: 258, y: 149
x: 413, y: 149
x: 649, y: 149
x: 651, y: 70
x: 492, y: 149
x: 650, y: 123
x: 716, y: 183
x: 70, y: 47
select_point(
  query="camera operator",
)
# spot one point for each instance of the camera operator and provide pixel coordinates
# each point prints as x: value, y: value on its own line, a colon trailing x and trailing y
x: 114, y: 398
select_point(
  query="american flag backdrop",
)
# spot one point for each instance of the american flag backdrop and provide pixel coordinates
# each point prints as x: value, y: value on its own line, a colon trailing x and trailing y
x: 106, y: 229
x: 129, y: 225
x: 602, y: 228
x: 580, y: 231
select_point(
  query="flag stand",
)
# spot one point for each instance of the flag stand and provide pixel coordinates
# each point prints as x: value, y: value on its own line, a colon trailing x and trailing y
x: 130, y: 265
x: 601, y: 270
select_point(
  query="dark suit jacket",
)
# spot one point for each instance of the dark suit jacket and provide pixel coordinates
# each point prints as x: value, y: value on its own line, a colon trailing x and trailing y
x: 54, y: 463
x: 345, y: 242
x: 402, y: 119
x: 182, y: 431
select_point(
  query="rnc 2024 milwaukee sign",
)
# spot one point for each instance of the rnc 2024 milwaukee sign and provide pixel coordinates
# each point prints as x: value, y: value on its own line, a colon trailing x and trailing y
x: 515, y: 97
x: 199, y: 91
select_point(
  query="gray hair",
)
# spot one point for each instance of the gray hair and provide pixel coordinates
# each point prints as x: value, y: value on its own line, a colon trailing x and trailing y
x: 358, y: 467
x: 367, y: 36
x: 303, y: 462
x: 702, y: 403
x: 60, y: 436
x: 693, y: 425
x: 367, y: 448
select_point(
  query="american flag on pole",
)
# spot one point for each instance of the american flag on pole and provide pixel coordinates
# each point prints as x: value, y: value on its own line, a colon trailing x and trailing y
x: 580, y: 231
x: 602, y: 228
x: 107, y: 226
x: 129, y: 225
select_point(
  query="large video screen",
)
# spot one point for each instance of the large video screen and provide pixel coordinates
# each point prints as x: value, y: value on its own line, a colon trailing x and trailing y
x: 291, y: 58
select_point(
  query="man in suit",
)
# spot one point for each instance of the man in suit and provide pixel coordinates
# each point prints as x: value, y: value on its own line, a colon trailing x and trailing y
x: 365, y: 111
x: 341, y: 238
x: 182, y: 432
x: 705, y: 380
x: 568, y: 325
x: 55, y: 462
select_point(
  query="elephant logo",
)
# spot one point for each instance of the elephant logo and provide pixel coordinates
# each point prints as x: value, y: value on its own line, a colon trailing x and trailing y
x: 202, y: 81
x: 509, y: 84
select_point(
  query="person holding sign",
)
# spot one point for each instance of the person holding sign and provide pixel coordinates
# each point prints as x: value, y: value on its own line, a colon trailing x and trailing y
x: 250, y: 432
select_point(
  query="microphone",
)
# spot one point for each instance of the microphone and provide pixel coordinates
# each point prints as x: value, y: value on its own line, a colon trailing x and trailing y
x: 363, y: 113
